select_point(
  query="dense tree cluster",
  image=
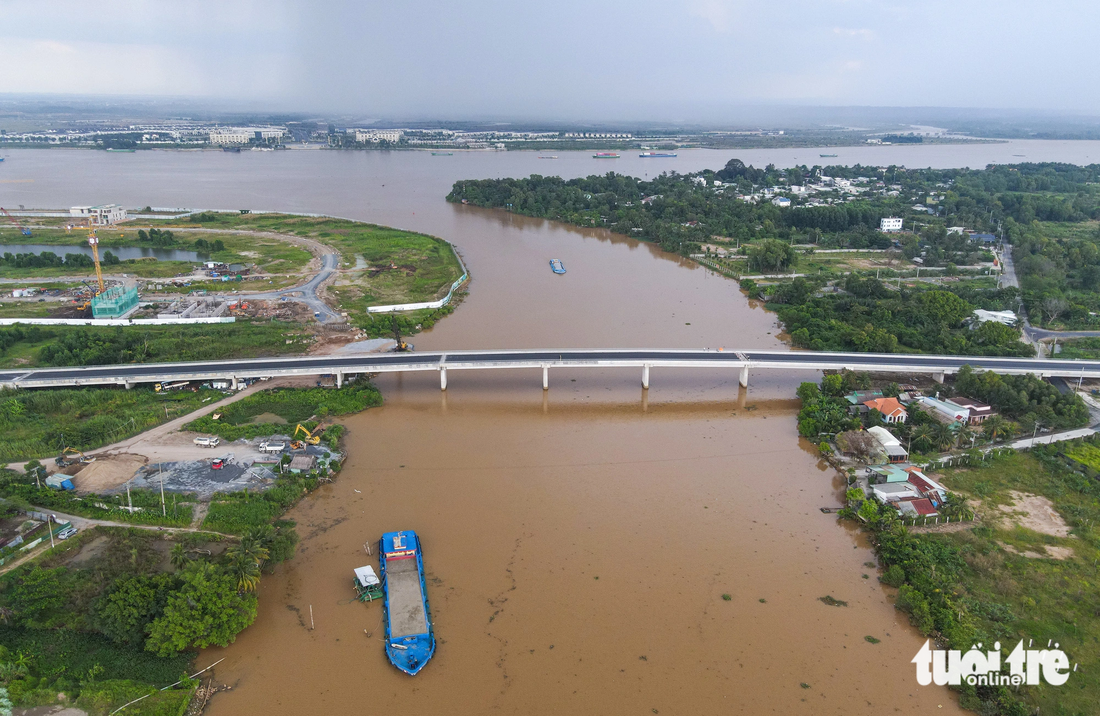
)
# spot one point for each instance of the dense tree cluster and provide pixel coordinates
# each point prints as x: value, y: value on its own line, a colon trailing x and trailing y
x: 870, y: 317
x: 157, y: 237
x: 48, y: 259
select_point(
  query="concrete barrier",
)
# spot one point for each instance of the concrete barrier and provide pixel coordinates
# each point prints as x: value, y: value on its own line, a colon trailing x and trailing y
x: 428, y: 304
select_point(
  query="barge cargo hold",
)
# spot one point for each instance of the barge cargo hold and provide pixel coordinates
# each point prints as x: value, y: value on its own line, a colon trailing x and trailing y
x: 410, y: 639
x: 556, y: 266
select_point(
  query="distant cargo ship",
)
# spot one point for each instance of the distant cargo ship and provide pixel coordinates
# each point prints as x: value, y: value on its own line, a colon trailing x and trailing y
x: 556, y: 266
x: 656, y: 154
x: 548, y: 156
x: 442, y: 154
x: 605, y: 155
x: 828, y: 155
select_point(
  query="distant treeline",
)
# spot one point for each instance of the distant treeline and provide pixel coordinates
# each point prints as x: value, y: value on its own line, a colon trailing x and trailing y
x: 48, y: 259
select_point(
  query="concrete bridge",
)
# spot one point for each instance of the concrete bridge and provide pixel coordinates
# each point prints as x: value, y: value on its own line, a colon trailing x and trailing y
x: 743, y: 362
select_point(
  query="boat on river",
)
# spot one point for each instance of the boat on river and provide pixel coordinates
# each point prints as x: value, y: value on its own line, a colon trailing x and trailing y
x: 827, y: 155
x: 656, y: 155
x: 556, y: 266
x: 410, y: 639
x: 605, y: 155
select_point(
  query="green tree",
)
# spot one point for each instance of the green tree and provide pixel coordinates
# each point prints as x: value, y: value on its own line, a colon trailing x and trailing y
x: 943, y: 437
x: 207, y: 609
x: 771, y: 255
x: 178, y: 556
x: 247, y: 556
x: 923, y: 436
x: 131, y: 604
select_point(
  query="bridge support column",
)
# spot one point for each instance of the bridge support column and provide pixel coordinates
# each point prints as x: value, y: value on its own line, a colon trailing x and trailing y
x: 442, y: 378
x: 743, y: 379
x: 938, y: 377
x: 645, y: 376
x: 234, y: 382
x: 546, y: 377
x: 129, y: 385
x: 339, y: 379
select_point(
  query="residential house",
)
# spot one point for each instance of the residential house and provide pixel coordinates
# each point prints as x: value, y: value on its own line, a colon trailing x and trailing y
x: 891, y: 409
x: 885, y: 474
x: 979, y: 412
x: 894, y: 492
x: 947, y: 413
x: 302, y: 463
x: 918, y: 507
x: 890, y: 444
x: 926, y: 486
x: 860, y: 396
x: 982, y: 316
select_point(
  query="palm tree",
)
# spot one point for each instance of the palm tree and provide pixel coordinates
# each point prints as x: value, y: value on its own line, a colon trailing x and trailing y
x: 966, y: 435
x: 245, y: 559
x: 995, y: 427
x: 178, y: 557
x: 922, y: 435
x: 246, y: 572
x: 943, y: 436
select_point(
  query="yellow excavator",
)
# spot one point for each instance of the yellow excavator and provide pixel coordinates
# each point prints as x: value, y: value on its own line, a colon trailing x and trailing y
x: 312, y: 438
x: 64, y: 460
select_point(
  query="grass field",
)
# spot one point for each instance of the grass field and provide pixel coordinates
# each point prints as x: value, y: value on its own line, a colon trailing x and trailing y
x: 1013, y: 597
x: 402, y: 266
x: 269, y: 254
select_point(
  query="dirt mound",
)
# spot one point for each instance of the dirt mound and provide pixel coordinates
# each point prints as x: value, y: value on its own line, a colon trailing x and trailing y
x: 108, y: 472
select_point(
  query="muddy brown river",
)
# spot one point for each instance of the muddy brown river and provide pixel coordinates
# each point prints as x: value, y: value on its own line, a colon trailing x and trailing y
x: 579, y: 542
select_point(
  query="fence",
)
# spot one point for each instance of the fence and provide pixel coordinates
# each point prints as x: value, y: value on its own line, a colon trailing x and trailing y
x: 429, y: 304
x: 112, y: 321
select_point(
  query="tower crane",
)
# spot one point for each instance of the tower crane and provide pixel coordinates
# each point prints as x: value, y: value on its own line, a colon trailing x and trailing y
x: 24, y: 230
x: 93, y: 241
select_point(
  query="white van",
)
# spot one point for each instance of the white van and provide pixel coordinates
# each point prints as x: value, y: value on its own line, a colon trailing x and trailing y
x: 207, y: 442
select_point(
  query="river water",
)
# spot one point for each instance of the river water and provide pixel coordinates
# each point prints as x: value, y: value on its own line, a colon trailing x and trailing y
x: 579, y: 542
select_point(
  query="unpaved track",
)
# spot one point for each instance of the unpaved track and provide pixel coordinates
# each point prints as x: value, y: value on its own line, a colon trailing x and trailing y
x: 164, y: 444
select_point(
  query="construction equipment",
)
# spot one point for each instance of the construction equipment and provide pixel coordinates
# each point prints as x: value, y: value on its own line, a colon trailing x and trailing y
x: 63, y: 460
x: 23, y: 229
x: 312, y: 438
x: 93, y: 241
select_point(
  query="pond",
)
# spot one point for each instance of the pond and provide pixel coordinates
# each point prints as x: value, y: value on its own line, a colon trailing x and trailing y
x: 123, y: 252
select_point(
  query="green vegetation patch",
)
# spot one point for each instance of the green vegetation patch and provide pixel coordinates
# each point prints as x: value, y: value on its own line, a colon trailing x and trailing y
x: 402, y: 266
x: 294, y: 405
x: 45, y: 346
x: 40, y: 423
x: 968, y: 587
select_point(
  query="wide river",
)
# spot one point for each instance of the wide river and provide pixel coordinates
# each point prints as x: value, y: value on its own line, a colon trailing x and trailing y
x: 578, y: 542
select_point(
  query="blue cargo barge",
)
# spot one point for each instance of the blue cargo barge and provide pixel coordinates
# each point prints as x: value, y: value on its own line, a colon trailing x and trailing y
x: 410, y: 639
x: 556, y: 266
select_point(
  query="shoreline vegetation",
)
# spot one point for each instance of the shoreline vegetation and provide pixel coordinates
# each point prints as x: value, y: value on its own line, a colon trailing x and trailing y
x: 1008, y: 571
x: 811, y: 239
x: 113, y: 613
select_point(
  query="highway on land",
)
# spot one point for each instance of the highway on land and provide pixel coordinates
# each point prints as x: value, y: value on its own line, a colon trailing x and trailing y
x: 343, y: 365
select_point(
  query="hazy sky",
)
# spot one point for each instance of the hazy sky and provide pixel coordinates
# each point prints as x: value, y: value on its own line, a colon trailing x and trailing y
x: 676, y: 60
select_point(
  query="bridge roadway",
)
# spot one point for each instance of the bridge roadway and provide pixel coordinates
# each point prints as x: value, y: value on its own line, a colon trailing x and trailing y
x: 341, y: 366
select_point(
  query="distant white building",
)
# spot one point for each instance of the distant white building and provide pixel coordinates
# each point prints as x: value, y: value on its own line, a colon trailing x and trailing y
x: 1006, y: 317
x: 956, y: 230
x: 377, y: 135
x: 781, y: 201
x: 228, y: 137
x: 102, y: 215
x: 889, y: 224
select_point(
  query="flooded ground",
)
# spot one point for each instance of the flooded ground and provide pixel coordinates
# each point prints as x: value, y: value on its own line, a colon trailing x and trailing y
x: 578, y: 541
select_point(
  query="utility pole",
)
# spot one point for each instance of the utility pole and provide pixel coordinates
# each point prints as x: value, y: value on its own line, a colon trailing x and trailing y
x: 50, y: 529
x: 129, y: 501
x: 163, y: 509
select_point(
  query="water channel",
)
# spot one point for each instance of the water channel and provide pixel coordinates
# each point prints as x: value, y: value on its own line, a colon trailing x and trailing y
x: 578, y: 541
x: 123, y: 252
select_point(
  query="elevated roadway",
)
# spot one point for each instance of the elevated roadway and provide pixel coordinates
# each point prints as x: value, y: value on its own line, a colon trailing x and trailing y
x: 645, y: 359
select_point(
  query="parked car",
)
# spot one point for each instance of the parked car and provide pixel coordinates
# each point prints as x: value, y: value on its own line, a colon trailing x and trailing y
x: 218, y: 463
x: 67, y: 532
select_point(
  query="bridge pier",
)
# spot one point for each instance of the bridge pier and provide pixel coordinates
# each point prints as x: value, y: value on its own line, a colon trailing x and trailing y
x: 743, y: 379
x: 645, y: 376
x: 339, y: 379
x: 442, y: 378
x: 129, y: 384
x: 938, y: 377
x: 234, y: 382
x: 546, y: 377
